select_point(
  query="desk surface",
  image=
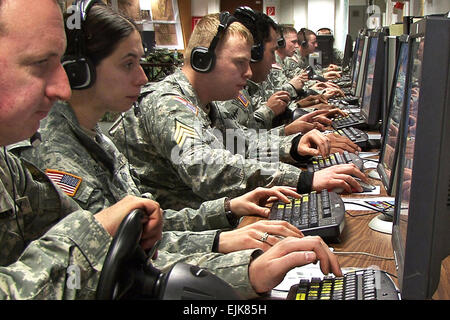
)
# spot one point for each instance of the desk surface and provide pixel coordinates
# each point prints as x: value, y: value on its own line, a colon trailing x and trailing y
x: 358, y: 237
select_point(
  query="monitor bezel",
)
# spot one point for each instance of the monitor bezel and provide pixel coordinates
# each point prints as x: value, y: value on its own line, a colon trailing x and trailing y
x: 348, y: 53
x: 390, y: 182
x: 328, y: 40
x: 372, y: 115
x: 416, y: 257
x: 356, y: 83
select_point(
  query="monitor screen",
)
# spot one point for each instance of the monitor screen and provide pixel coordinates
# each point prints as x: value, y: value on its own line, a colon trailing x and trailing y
x: 362, y: 68
x: 358, y: 55
x: 420, y: 235
x: 325, y: 45
x: 347, y: 51
x: 372, y: 86
x: 389, y: 152
x: 370, y: 73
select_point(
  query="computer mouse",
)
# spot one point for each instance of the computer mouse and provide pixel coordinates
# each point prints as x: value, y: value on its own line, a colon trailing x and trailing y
x: 365, y: 186
x: 338, y: 190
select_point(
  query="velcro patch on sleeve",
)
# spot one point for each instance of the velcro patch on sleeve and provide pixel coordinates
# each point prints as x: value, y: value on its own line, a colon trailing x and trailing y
x: 68, y: 182
x: 182, y: 132
x: 243, y: 99
x: 187, y: 104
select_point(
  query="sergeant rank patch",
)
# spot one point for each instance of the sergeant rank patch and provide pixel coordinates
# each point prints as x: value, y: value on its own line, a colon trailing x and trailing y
x: 69, y: 183
x: 182, y: 132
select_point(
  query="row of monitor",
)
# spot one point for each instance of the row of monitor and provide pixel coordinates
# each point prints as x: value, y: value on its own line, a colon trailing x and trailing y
x: 404, y: 84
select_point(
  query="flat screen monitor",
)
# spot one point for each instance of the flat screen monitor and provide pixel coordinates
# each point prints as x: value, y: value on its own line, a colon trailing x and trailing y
x: 362, y: 49
x: 391, y: 62
x: 394, y: 122
x: 348, y: 51
x: 421, y: 237
x: 354, y: 55
x: 372, y: 86
x: 325, y: 45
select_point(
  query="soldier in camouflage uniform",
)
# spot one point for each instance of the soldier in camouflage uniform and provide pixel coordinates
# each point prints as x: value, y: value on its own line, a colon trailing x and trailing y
x: 31, y: 206
x: 43, y: 232
x: 101, y: 174
x: 177, y: 143
x: 242, y: 110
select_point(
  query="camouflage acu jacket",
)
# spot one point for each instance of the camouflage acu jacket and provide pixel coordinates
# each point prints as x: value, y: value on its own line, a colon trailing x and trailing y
x: 104, y: 178
x: 179, y: 149
x: 44, y: 235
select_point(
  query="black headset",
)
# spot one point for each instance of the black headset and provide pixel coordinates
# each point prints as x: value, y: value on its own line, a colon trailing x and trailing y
x: 304, y: 43
x: 281, y: 42
x: 247, y: 17
x: 79, y: 68
x: 203, y: 59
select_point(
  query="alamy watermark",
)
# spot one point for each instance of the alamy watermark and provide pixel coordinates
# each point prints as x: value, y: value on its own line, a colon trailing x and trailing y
x: 247, y: 147
x: 74, y: 17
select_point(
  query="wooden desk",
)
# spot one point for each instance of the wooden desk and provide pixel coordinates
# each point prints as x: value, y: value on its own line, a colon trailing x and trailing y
x: 358, y: 237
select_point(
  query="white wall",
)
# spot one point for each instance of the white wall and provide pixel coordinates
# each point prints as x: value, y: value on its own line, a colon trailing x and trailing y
x: 200, y: 8
x: 321, y: 14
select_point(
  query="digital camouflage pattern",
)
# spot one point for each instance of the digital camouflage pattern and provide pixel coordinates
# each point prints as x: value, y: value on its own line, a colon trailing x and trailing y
x: 104, y: 171
x: 179, y: 149
x: 106, y: 179
x: 57, y: 234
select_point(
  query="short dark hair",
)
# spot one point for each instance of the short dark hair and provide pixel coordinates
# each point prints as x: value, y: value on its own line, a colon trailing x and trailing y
x: 263, y: 25
x: 304, y: 33
x: 288, y: 29
x: 103, y: 29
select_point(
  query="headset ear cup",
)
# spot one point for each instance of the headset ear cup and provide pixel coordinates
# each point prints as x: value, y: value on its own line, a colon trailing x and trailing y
x: 257, y: 52
x: 202, y: 60
x: 80, y: 72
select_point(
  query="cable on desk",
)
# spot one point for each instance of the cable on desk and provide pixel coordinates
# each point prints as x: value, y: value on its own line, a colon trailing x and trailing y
x: 373, y: 160
x: 368, y: 206
x: 362, y: 253
x: 360, y: 215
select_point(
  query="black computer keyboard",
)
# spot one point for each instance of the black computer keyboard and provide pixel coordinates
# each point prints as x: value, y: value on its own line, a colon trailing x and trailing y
x: 315, y: 214
x: 356, y: 135
x: 349, y: 99
x: 351, y: 120
x: 319, y: 163
x: 365, y: 284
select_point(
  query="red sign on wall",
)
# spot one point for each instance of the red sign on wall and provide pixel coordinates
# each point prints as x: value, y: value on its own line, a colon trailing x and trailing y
x: 270, y: 11
x: 195, y: 20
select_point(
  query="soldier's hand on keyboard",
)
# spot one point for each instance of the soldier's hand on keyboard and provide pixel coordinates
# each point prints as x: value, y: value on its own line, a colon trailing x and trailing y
x: 333, y: 67
x: 254, y: 202
x: 111, y: 217
x: 338, y: 176
x: 262, y: 234
x: 269, y: 269
x: 332, y: 75
x: 340, y: 144
x: 278, y: 102
x: 314, y: 143
x: 299, y: 125
x: 298, y: 82
x: 336, y: 112
x: 332, y: 92
x: 311, y: 100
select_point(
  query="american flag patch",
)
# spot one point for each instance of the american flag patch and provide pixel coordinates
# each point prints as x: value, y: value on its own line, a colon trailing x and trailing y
x: 69, y: 183
x: 191, y: 107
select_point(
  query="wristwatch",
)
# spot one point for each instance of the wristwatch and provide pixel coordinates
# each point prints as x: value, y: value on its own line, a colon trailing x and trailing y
x: 232, y: 219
